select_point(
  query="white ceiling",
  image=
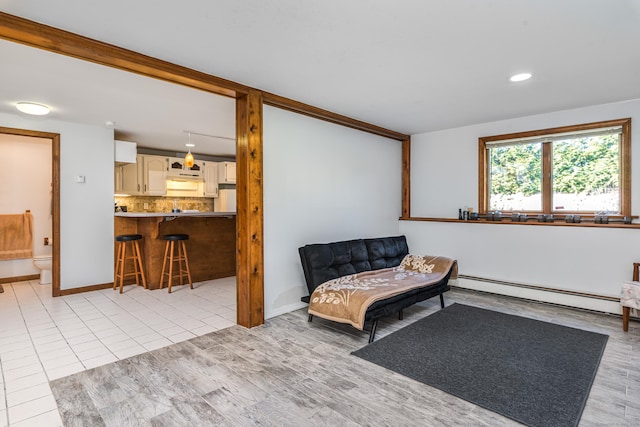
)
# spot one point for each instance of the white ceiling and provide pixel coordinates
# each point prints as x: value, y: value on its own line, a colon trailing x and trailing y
x: 149, y: 112
x: 408, y: 65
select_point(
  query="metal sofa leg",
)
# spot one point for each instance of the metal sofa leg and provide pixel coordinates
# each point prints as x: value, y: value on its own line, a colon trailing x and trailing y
x: 441, y: 301
x: 400, y: 315
x: 372, y: 334
x: 310, y: 318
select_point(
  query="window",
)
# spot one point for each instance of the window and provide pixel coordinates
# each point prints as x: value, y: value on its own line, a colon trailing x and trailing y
x: 582, y: 169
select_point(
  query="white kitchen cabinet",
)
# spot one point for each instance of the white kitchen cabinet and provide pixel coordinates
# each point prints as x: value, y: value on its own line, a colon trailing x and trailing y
x: 227, y: 172
x: 131, y: 179
x: 117, y: 179
x: 154, y: 175
x: 125, y: 152
x: 145, y: 177
x: 176, y: 164
x: 210, y: 174
x: 198, y: 166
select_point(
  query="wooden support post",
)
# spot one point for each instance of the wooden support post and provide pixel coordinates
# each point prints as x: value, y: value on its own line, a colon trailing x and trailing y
x: 406, y: 178
x: 250, y: 227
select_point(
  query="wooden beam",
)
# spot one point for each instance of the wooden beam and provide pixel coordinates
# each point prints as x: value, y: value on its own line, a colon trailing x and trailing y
x: 53, y: 39
x: 320, y: 114
x: 42, y: 36
x: 406, y: 178
x: 250, y: 226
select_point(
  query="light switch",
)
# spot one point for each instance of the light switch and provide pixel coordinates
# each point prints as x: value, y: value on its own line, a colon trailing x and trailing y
x: 80, y: 179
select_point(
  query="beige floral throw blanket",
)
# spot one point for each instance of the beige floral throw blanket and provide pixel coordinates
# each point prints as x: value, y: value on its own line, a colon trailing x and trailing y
x: 346, y: 299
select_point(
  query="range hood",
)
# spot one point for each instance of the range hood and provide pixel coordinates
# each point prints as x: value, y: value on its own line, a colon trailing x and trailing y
x: 177, y: 172
x: 184, y: 175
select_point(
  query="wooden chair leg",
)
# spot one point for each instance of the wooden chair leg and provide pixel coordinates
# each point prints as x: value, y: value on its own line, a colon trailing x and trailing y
x: 164, y: 263
x: 186, y: 264
x: 171, y: 250
x: 181, y: 273
x: 134, y: 258
x: 625, y: 318
x: 124, y: 260
x: 115, y: 270
x: 139, y: 259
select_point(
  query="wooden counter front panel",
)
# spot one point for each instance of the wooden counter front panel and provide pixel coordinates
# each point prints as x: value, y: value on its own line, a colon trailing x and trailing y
x: 211, y: 246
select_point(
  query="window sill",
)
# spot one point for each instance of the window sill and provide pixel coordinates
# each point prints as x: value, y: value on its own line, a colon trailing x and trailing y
x: 507, y: 221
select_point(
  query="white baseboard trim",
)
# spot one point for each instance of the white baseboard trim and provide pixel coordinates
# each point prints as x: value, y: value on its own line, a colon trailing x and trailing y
x: 542, y: 294
x: 286, y: 309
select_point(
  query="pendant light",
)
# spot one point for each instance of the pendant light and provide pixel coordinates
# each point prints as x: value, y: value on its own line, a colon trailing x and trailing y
x: 188, y: 159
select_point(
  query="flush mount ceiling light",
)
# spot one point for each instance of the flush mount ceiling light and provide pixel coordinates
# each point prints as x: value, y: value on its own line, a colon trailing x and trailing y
x: 188, y: 159
x: 520, y: 77
x: 33, y: 109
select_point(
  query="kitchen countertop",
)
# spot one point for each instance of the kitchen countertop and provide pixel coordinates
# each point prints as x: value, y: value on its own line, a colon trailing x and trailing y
x: 172, y: 214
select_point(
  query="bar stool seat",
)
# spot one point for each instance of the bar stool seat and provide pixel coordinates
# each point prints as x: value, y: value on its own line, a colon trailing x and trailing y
x: 181, y: 258
x: 121, y: 259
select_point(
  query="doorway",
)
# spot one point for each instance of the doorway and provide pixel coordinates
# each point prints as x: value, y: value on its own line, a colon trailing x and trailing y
x: 54, y: 138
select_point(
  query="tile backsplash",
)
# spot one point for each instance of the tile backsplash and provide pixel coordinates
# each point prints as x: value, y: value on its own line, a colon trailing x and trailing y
x: 164, y: 204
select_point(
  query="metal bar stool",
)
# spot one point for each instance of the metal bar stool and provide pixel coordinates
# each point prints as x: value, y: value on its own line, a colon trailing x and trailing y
x: 122, y: 258
x: 181, y: 259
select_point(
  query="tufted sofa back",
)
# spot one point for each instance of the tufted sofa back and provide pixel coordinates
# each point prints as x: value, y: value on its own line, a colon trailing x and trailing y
x: 326, y: 261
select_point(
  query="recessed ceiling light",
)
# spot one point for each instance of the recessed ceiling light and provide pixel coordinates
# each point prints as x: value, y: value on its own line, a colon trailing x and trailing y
x: 520, y: 77
x: 31, y: 108
x: 190, y: 145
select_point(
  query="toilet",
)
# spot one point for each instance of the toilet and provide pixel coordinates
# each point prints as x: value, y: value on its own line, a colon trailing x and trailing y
x: 44, y: 263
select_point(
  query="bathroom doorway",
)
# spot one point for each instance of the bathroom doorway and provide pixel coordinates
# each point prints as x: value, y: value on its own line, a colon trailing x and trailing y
x: 48, y: 210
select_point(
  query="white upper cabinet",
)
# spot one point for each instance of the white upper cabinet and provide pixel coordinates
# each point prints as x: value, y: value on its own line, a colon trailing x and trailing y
x: 125, y: 152
x: 130, y: 178
x: 154, y: 175
x: 227, y: 173
x: 210, y: 174
x: 117, y: 180
x: 176, y: 164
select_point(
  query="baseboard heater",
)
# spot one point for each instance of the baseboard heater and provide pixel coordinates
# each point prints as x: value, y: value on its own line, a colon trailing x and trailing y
x: 538, y: 288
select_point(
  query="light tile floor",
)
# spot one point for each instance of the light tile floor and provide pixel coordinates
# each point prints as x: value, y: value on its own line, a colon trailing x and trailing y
x: 43, y: 338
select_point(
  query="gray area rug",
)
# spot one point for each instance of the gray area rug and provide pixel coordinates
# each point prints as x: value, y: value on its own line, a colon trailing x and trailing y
x: 534, y: 372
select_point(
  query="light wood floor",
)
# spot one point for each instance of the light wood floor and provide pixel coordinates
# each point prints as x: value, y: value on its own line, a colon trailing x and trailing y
x: 293, y: 373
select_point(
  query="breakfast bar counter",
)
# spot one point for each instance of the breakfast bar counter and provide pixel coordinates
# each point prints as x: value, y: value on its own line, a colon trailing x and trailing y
x: 211, y: 246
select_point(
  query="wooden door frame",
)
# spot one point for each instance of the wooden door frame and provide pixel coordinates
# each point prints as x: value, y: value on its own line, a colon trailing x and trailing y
x: 55, y: 184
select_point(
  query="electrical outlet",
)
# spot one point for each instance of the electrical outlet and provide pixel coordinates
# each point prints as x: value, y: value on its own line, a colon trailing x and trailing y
x: 46, y: 241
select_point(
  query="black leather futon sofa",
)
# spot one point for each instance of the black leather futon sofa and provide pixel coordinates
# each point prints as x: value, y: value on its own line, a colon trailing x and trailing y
x: 326, y: 261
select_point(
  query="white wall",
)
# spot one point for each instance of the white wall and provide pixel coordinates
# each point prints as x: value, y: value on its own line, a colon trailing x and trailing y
x: 86, y: 210
x: 25, y: 175
x: 444, y: 177
x: 322, y: 183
